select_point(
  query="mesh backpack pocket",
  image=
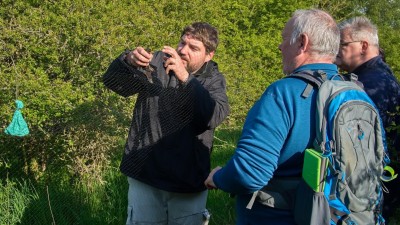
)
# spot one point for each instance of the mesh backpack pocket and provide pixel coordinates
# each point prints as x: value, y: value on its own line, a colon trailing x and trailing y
x: 310, y: 207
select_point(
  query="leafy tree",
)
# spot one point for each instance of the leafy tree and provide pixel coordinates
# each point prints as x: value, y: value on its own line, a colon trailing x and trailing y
x: 55, y: 52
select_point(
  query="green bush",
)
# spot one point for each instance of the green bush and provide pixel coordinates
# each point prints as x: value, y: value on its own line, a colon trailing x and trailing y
x: 53, y: 55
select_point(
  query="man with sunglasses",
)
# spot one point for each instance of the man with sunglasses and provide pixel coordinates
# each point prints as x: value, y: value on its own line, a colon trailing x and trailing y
x: 360, y: 54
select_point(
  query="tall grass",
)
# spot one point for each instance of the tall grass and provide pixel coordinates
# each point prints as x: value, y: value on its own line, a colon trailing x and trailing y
x: 90, y: 201
x: 93, y: 201
x: 84, y: 202
x: 14, y: 198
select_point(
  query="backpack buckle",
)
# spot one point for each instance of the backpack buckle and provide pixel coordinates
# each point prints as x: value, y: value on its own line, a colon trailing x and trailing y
x: 353, y: 77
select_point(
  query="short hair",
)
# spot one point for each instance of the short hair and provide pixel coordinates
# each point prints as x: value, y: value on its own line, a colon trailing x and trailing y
x: 321, y: 29
x: 361, y: 28
x: 203, y: 32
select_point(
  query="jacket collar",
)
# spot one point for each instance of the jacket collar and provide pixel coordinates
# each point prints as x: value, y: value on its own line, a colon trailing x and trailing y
x: 368, y: 64
x: 330, y: 68
x: 205, y: 70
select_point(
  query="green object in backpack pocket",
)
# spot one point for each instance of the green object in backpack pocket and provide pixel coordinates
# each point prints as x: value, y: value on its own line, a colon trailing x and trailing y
x: 314, y: 169
x: 18, y: 126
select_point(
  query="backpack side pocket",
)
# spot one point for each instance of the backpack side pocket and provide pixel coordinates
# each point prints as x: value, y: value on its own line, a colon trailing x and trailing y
x: 310, y: 207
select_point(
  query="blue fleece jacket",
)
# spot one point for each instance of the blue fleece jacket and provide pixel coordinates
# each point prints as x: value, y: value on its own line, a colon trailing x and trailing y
x: 278, y: 128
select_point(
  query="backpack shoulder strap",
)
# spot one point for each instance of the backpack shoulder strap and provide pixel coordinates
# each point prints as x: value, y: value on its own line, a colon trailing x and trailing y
x: 313, y: 79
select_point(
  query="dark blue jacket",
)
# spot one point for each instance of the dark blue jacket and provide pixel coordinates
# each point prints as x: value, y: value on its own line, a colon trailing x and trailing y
x: 383, y: 88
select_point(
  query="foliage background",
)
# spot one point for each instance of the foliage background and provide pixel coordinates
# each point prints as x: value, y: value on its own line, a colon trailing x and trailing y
x: 53, y: 55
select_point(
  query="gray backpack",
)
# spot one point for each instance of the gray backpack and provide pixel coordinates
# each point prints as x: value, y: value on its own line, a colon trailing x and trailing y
x: 351, y: 138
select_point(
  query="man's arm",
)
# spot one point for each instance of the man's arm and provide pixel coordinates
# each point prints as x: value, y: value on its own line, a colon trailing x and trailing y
x: 259, y: 148
x: 123, y: 78
x: 211, y: 105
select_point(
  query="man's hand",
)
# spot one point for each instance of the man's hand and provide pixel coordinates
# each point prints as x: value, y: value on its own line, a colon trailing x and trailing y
x: 209, y: 183
x: 175, y: 63
x: 139, y: 57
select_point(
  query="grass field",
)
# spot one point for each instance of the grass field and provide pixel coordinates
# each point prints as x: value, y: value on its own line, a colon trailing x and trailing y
x: 99, y: 202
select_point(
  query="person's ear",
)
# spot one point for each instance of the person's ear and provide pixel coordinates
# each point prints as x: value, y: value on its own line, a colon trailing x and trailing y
x: 304, y: 42
x: 209, y: 56
x: 364, y: 47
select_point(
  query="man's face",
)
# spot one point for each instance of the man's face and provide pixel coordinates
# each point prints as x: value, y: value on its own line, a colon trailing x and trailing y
x: 350, y: 52
x: 289, y: 52
x: 193, y: 53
